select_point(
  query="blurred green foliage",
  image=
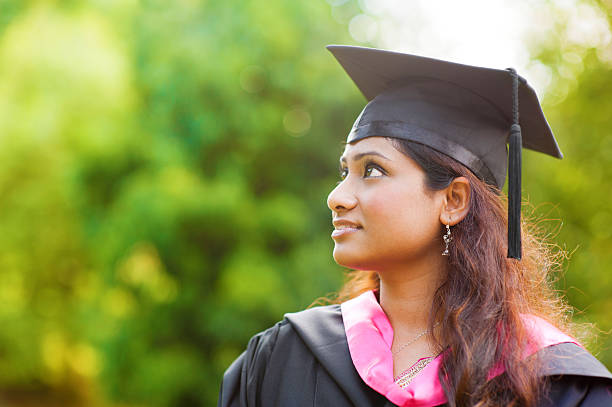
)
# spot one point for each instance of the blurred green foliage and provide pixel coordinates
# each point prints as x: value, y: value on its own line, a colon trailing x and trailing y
x: 164, y: 168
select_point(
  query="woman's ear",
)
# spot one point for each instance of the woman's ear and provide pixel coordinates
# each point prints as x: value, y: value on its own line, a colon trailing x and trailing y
x: 456, y: 201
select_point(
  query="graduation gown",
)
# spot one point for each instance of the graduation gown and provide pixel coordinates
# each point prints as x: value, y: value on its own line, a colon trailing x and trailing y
x: 307, y: 360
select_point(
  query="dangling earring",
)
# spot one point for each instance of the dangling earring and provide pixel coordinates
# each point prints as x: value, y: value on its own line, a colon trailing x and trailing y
x: 447, y: 239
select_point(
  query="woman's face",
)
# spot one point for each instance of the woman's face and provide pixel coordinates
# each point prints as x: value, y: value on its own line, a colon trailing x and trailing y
x: 383, y: 192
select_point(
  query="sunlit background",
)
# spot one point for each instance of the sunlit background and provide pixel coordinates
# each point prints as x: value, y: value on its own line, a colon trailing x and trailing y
x: 164, y: 167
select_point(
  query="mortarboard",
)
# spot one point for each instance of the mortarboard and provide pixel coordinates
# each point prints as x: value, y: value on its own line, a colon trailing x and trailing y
x: 469, y: 113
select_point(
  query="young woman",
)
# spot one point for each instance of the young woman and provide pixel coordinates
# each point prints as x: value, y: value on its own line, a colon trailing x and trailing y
x: 447, y: 304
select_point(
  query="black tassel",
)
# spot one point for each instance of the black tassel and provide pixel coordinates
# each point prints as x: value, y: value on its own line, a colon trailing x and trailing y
x: 514, y: 177
x: 514, y: 193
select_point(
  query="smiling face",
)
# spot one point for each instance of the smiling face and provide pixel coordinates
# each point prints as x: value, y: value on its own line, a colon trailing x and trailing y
x: 383, y: 191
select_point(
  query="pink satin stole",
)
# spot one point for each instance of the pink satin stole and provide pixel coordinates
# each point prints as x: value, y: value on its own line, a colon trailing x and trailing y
x: 370, y: 335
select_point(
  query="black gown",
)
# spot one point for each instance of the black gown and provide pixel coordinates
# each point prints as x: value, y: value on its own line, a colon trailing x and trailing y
x: 304, y: 360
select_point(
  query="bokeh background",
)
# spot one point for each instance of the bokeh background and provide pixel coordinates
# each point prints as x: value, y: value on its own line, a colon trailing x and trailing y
x: 164, y: 167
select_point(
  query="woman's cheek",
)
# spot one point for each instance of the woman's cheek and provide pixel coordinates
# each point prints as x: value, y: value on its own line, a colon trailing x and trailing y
x: 386, y: 211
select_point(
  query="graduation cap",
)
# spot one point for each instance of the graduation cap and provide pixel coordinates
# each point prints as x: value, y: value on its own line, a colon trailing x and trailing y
x: 469, y: 113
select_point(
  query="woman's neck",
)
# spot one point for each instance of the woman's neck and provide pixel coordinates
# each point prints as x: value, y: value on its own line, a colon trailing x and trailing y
x: 406, y: 294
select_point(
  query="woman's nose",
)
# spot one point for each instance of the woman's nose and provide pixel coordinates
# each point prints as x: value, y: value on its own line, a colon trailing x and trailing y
x: 340, y: 198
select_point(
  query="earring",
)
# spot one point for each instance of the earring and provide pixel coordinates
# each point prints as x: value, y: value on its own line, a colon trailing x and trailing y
x: 447, y: 239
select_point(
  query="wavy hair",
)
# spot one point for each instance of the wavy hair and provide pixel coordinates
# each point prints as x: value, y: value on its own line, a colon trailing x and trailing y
x: 483, y: 293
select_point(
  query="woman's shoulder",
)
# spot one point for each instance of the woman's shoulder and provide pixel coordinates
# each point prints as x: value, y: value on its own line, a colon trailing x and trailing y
x: 325, y: 319
x: 279, y: 353
x: 569, y: 358
x: 575, y: 376
x: 559, y: 353
x: 302, y: 359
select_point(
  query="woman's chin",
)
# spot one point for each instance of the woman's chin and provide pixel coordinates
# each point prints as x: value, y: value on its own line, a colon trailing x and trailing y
x: 352, y: 260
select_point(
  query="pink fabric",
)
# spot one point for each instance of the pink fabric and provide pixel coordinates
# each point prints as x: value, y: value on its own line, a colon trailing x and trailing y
x: 370, y: 335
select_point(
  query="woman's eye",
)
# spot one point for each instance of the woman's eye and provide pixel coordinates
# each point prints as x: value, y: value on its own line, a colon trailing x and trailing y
x: 368, y: 172
x: 372, y: 167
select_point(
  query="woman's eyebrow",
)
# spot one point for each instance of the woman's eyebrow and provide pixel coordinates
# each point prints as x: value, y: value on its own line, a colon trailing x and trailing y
x: 361, y: 155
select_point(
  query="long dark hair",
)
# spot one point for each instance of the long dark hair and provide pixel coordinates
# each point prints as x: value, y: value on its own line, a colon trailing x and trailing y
x: 483, y: 294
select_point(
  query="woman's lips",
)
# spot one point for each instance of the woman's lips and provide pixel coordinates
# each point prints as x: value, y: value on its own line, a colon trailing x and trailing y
x: 344, y: 231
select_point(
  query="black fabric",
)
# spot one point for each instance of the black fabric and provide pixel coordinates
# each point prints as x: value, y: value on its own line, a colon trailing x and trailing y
x: 304, y: 361
x: 570, y: 391
x: 301, y: 361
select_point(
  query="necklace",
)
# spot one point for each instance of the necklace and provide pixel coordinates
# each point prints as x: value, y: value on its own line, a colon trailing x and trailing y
x: 407, y: 375
x: 413, y: 340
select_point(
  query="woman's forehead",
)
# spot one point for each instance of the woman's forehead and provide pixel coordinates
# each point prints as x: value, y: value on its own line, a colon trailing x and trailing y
x: 373, y: 143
